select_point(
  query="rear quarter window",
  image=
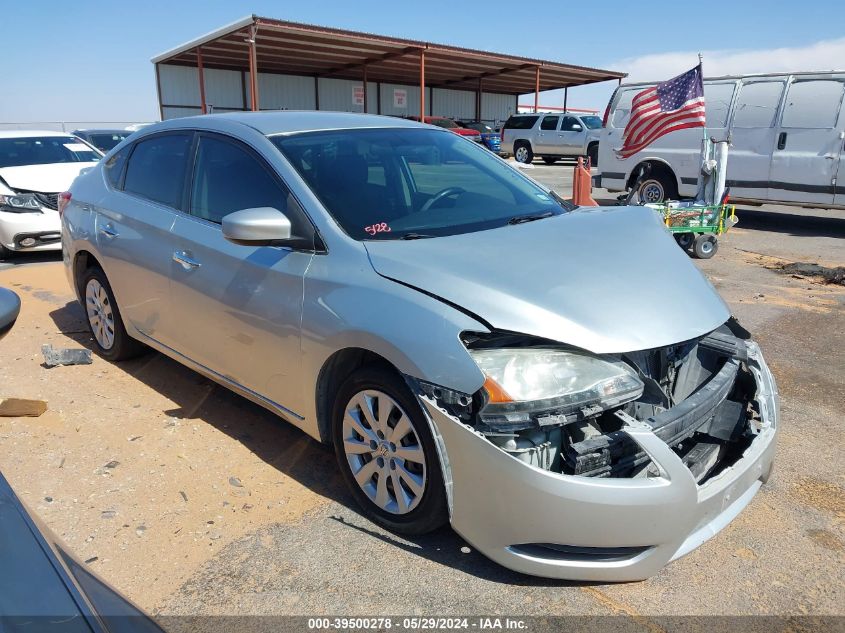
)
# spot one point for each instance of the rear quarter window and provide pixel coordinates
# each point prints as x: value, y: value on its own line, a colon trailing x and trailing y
x: 521, y: 122
x: 113, y: 167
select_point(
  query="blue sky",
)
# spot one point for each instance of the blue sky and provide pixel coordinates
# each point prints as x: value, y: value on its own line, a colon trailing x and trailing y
x: 90, y: 61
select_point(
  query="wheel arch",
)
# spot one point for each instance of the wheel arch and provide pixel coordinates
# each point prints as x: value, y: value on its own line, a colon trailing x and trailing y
x: 82, y: 261
x: 658, y: 166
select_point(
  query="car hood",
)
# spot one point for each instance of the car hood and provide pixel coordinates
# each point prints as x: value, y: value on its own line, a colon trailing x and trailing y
x: 607, y: 279
x: 52, y: 178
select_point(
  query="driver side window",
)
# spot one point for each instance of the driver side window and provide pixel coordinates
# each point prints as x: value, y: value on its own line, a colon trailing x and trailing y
x: 228, y: 179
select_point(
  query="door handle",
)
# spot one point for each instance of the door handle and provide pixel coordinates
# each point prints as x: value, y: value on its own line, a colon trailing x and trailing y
x: 782, y: 140
x: 182, y: 258
x: 108, y: 231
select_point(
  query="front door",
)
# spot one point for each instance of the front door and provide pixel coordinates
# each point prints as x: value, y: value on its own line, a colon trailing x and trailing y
x: 808, y: 142
x: 571, y: 136
x: 239, y: 307
x: 752, y: 137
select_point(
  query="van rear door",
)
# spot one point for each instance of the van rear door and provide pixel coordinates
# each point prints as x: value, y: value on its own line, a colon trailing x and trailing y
x: 753, y: 137
x: 809, y: 141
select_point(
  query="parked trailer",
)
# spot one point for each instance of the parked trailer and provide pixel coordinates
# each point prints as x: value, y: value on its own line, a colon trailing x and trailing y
x: 786, y: 132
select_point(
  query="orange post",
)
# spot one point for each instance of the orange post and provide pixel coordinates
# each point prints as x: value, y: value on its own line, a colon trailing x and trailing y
x: 582, y: 185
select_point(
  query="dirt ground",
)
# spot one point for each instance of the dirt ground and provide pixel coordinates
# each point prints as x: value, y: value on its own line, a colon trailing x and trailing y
x: 191, y: 500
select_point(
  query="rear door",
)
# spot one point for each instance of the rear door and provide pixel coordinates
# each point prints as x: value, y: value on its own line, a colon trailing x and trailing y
x: 239, y: 307
x: 809, y: 140
x: 133, y: 229
x: 547, y: 140
x: 753, y: 137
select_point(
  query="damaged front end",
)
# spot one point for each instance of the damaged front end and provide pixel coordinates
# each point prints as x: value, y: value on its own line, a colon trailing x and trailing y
x: 620, y: 462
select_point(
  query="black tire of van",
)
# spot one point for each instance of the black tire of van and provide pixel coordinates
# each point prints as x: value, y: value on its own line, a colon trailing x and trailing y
x: 593, y: 154
x: 550, y: 160
x: 527, y: 155
x: 656, y: 188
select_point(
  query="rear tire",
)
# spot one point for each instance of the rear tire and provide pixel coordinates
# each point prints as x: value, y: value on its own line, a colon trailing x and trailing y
x: 593, y: 154
x: 104, y: 320
x: 382, y: 441
x: 705, y: 246
x: 523, y: 153
x: 550, y: 160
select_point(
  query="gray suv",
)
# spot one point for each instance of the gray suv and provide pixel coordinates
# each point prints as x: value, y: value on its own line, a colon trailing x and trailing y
x: 551, y: 136
x: 476, y: 350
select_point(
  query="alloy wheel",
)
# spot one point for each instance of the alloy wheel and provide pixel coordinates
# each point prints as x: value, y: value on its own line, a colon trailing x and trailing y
x: 384, y: 452
x: 100, y: 314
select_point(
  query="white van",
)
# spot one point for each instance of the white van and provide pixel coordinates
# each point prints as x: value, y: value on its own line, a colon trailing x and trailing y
x: 786, y: 133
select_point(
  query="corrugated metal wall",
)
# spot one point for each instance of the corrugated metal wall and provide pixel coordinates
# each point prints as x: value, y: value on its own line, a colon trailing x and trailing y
x: 228, y: 90
x: 497, y: 107
x: 455, y: 104
x: 336, y: 95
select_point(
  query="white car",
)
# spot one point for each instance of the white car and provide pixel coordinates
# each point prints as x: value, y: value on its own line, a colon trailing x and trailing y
x: 35, y: 166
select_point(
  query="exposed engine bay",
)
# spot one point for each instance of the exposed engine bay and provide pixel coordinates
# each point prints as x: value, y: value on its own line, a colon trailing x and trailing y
x: 698, y: 396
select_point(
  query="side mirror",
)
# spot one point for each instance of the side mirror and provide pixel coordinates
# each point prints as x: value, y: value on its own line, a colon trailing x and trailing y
x: 263, y: 226
x: 576, y: 128
x: 10, y: 307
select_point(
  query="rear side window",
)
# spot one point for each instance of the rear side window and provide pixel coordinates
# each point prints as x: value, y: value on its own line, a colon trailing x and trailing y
x: 521, y: 122
x: 156, y: 169
x: 813, y: 104
x: 717, y: 103
x: 113, y: 167
x: 757, y: 104
x: 549, y: 123
x: 622, y: 109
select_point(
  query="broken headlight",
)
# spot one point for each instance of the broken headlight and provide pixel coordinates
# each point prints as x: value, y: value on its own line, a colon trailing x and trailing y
x: 551, y: 386
x: 20, y: 203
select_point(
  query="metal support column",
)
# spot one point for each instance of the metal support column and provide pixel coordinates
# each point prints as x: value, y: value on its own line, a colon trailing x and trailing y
x: 565, y: 97
x: 365, y: 88
x: 422, y: 85
x: 536, y: 88
x: 201, y: 75
x: 478, y: 94
x: 253, y: 69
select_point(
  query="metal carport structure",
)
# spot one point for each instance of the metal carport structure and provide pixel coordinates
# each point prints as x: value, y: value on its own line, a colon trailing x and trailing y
x: 232, y: 67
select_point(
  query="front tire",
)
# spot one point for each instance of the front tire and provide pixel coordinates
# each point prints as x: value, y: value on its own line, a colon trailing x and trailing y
x: 386, y: 453
x: 104, y: 320
x: 6, y: 254
x: 684, y: 240
x: 523, y: 153
x: 656, y: 189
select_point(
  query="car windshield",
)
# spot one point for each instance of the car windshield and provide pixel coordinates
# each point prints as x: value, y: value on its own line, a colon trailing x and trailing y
x: 592, y: 122
x: 388, y: 184
x: 44, y: 150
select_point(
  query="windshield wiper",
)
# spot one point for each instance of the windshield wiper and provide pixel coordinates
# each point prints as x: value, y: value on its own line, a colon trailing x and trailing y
x: 415, y: 236
x: 521, y: 219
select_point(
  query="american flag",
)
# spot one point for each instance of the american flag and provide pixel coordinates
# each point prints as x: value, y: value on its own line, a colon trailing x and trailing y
x: 676, y: 104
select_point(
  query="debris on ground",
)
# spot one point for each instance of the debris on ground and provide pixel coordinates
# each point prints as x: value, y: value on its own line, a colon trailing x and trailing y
x: 56, y: 357
x: 234, y: 481
x: 800, y: 270
x: 21, y: 407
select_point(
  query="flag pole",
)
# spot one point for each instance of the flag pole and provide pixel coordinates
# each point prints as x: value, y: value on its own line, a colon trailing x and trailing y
x: 701, y: 70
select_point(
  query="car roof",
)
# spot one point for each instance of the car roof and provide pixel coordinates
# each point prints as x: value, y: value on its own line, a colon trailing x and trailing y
x: 103, y: 130
x: 292, y: 121
x: 31, y: 133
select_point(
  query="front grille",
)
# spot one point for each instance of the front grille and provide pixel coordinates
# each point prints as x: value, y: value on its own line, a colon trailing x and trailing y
x: 49, y: 200
x: 574, y: 553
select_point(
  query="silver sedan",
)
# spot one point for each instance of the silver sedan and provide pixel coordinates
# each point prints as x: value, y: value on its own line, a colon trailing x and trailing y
x: 559, y: 383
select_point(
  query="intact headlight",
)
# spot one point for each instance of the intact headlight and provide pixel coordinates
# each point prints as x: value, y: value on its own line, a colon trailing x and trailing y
x: 20, y: 203
x: 523, y: 382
